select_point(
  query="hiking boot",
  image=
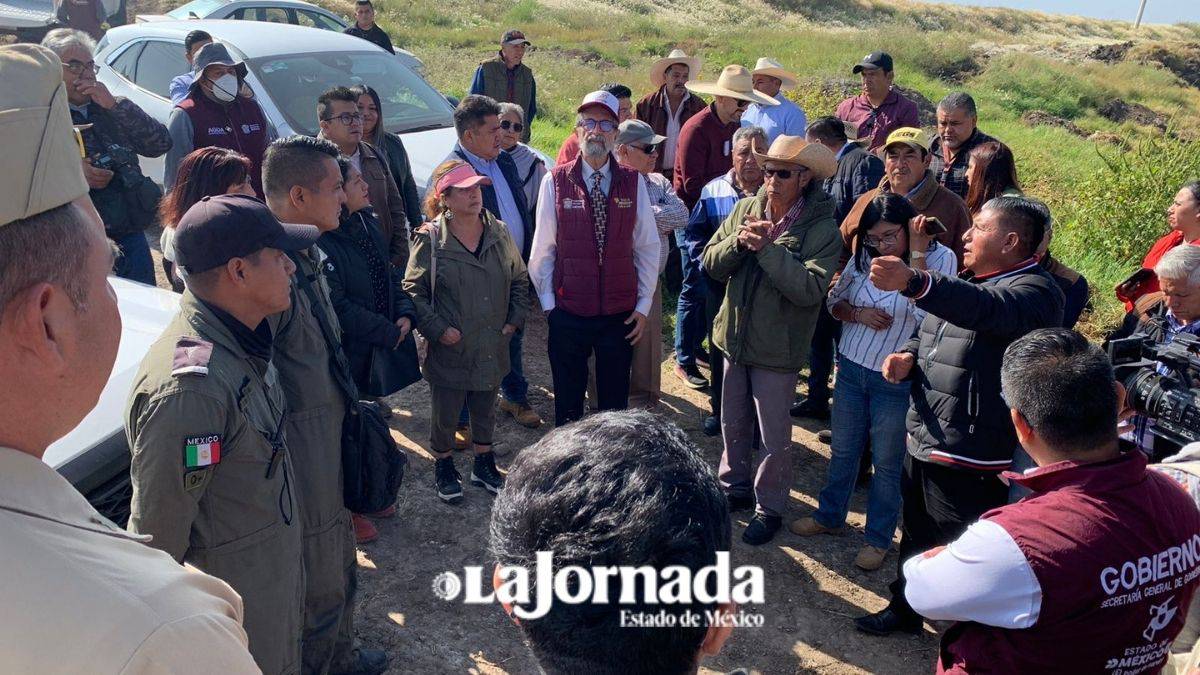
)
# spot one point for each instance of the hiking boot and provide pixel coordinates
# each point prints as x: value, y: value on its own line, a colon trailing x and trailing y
x: 485, y: 475
x: 522, y: 413
x: 449, y: 483
x: 762, y: 529
x: 808, y: 526
x: 807, y: 407
x: 712, y: 425
x: 740, y: 503
x: 690, y: 376
x: 462, y: 437
x: 364, y: 530
x: 870, y: 558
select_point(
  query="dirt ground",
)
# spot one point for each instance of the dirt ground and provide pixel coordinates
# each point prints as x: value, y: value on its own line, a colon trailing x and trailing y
x: 813, y: 588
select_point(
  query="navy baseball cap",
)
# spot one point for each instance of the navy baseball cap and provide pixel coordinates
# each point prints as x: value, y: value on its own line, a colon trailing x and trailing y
x: 218, y: 229
x: 881, y: 60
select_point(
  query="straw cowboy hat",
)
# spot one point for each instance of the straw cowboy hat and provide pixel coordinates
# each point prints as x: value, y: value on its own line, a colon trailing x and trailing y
x: 772, y: 68
x: 658, y: 69
x: 734, y: 82
x: 795, y: 150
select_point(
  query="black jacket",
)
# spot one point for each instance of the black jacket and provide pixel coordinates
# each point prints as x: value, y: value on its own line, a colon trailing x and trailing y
x: 396, y: 157
x: 957, y: 417
x: 858, y: 172
x: 354, y: 300
x: 513, y: 177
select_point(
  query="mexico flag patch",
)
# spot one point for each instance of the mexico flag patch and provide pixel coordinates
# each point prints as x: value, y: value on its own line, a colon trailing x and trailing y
x: 201, y: 451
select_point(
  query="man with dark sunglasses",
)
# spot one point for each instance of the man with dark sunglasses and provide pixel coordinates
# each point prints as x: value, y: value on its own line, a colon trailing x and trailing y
x: 594, y: 264
x: 879, y: 109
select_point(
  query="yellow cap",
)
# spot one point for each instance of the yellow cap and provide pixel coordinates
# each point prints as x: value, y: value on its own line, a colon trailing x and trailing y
x: 910, y: 136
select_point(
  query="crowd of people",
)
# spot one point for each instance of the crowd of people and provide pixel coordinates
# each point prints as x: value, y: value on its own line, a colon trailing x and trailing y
x: 312, y: 275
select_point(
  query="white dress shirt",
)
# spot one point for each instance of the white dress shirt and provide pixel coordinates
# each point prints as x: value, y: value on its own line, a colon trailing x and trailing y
x: 545, y: 240
x: 673, y: 127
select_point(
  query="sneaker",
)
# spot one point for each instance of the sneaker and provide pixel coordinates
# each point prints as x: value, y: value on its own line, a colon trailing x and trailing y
x: 690, y: 376
x: 870, y: 558
x: 712, y: 425
x: 825, y: 436
x: 807, y: 407
x: 522, y: 413
x: 762, y: 529
x: 449, y: 483
x: 740, y: 503
x: 808, y: 526
x: 485, y: 475
x: 462, y: 437
x: 364, y: 530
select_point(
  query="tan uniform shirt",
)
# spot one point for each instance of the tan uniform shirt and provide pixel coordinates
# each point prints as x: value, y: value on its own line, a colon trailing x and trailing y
x: 212, y: 474
x: 81, y: 595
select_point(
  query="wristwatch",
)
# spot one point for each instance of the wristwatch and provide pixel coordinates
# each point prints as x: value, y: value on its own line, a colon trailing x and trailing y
x: 916, y: 283
x: 916, y: 255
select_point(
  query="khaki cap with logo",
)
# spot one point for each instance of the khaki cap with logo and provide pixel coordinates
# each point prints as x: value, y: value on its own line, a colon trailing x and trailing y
x: 910, y: 136
x: 41, y: 164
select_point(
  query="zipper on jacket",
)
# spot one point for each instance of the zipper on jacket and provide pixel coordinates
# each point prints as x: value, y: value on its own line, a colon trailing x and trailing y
x: 972, y: 404
x: 937, y: 341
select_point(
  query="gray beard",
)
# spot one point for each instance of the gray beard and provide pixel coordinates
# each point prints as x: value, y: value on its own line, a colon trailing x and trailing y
x: 596, y: 149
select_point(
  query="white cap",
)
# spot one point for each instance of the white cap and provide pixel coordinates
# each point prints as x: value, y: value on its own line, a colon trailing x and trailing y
x: 601, y: 98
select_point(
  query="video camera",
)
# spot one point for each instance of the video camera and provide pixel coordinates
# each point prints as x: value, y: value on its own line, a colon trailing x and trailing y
x: 1171, y: 400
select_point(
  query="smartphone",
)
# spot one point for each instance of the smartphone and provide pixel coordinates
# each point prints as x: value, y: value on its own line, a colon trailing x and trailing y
x: 1133, y: 287
x: 934, y: 227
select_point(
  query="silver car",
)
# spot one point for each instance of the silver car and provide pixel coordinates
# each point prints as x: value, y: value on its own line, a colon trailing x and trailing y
x: 289, y: 67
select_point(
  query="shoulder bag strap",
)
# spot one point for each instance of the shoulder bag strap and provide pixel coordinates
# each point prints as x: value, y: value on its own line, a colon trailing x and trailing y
x: 339, y: 366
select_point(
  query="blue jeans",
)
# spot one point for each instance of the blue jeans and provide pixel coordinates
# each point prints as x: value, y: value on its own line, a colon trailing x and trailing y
x: 135, y: 262
x: 689, y: 309
x: 514, y: 387
x: 865, y: 403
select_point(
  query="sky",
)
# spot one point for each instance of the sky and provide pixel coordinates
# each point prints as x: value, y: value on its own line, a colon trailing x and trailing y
x: 1157, y: 11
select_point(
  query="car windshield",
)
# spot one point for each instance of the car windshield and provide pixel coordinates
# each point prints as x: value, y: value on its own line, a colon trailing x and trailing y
x: 295, y: 81
x: 201, y: 8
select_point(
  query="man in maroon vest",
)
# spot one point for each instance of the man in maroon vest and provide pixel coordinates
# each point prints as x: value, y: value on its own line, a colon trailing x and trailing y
x: 1093, y: 572
x: 594, y: 264
x: 218, y: 111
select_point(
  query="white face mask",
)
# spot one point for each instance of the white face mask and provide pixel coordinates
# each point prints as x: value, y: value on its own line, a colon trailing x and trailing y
x: 225, y: 88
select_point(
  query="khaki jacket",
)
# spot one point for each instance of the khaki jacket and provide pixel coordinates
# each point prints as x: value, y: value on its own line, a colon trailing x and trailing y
x: 81, y: 595
x: 237, y: 517
x: 773, y: 297
x: 475, y: 295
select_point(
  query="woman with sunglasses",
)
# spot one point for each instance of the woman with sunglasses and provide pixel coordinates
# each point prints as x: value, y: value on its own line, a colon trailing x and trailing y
x: 775, y: 252
x: 865, y: 406
x: 392, y: 149
x: 530, y: 167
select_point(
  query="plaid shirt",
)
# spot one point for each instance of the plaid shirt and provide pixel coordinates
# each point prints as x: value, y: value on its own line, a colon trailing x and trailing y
x: 953, y: 176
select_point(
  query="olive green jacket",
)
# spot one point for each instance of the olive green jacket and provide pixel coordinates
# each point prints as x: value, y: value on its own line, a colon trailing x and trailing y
x: 475, y: 295
x: 773, y: 297
x: 236, y: 518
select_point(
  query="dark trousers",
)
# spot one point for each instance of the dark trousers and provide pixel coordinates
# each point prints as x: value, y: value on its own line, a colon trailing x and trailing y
x: 573, y: 339
x: 821, y: 353
x: 715, y: 295
x: 939, y: 503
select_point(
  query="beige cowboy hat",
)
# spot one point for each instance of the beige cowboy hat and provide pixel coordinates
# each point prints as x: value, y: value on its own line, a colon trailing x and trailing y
x: 795, y: 150
x: 658, y: 69
x: 772, y: 68
x: 734, y: 82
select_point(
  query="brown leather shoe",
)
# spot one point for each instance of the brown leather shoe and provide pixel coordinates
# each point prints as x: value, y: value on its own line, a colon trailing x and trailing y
x: 389, y: 512
x: 364, y: 530
x: 870, y: 558
x: 808, y: 526
x: 522, y: 413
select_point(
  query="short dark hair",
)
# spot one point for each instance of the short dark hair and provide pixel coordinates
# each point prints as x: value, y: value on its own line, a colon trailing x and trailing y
x: 1063, y: 386
x: 828, y: 129
x: 886, y: 207
x: 618, y: 90
x: 366, y: 3
x: 195, y: 37
x: 290, y: 161
x: 616, y: 488
x: 48, y: 247
x: 471, y: 112
x: 959, y: 100
x: 343, y: 94
x: 1029, y: 218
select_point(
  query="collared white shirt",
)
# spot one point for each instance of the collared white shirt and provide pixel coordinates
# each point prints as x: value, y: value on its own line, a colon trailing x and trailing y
x: 673, y: 127
x: 509, y: 213
x: 545, y: 239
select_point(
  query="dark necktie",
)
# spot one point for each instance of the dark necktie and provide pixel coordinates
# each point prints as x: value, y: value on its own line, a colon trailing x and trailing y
x: 599, y: 214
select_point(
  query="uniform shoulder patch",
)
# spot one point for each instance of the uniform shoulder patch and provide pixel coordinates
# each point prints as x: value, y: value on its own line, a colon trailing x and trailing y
x: 191, y: 356
x: 201, y: 451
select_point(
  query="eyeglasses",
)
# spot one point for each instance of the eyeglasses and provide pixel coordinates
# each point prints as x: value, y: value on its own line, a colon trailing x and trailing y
x: 77, y: 67
x: 606, y: 126
x: 648, y: 149
x: 742, y: 104
x: 515, y: 126
x: 346, y: 118
x: 885, y: 240
x: 784, y: 173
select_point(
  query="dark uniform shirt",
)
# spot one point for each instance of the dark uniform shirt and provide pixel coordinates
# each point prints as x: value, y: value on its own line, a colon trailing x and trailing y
x: 375, y: 34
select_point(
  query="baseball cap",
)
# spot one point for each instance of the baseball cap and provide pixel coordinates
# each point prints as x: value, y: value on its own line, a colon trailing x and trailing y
x: 218, y: 229
x: 637, y: 131
x: 909, y: 136
x: 601, y: 99
x: 875, y: 60
x: 514, y: 37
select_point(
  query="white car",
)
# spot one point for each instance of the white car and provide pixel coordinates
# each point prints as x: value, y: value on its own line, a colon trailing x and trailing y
x: 292, y: 12
x: 94, y: 457
x: 289, y: 67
